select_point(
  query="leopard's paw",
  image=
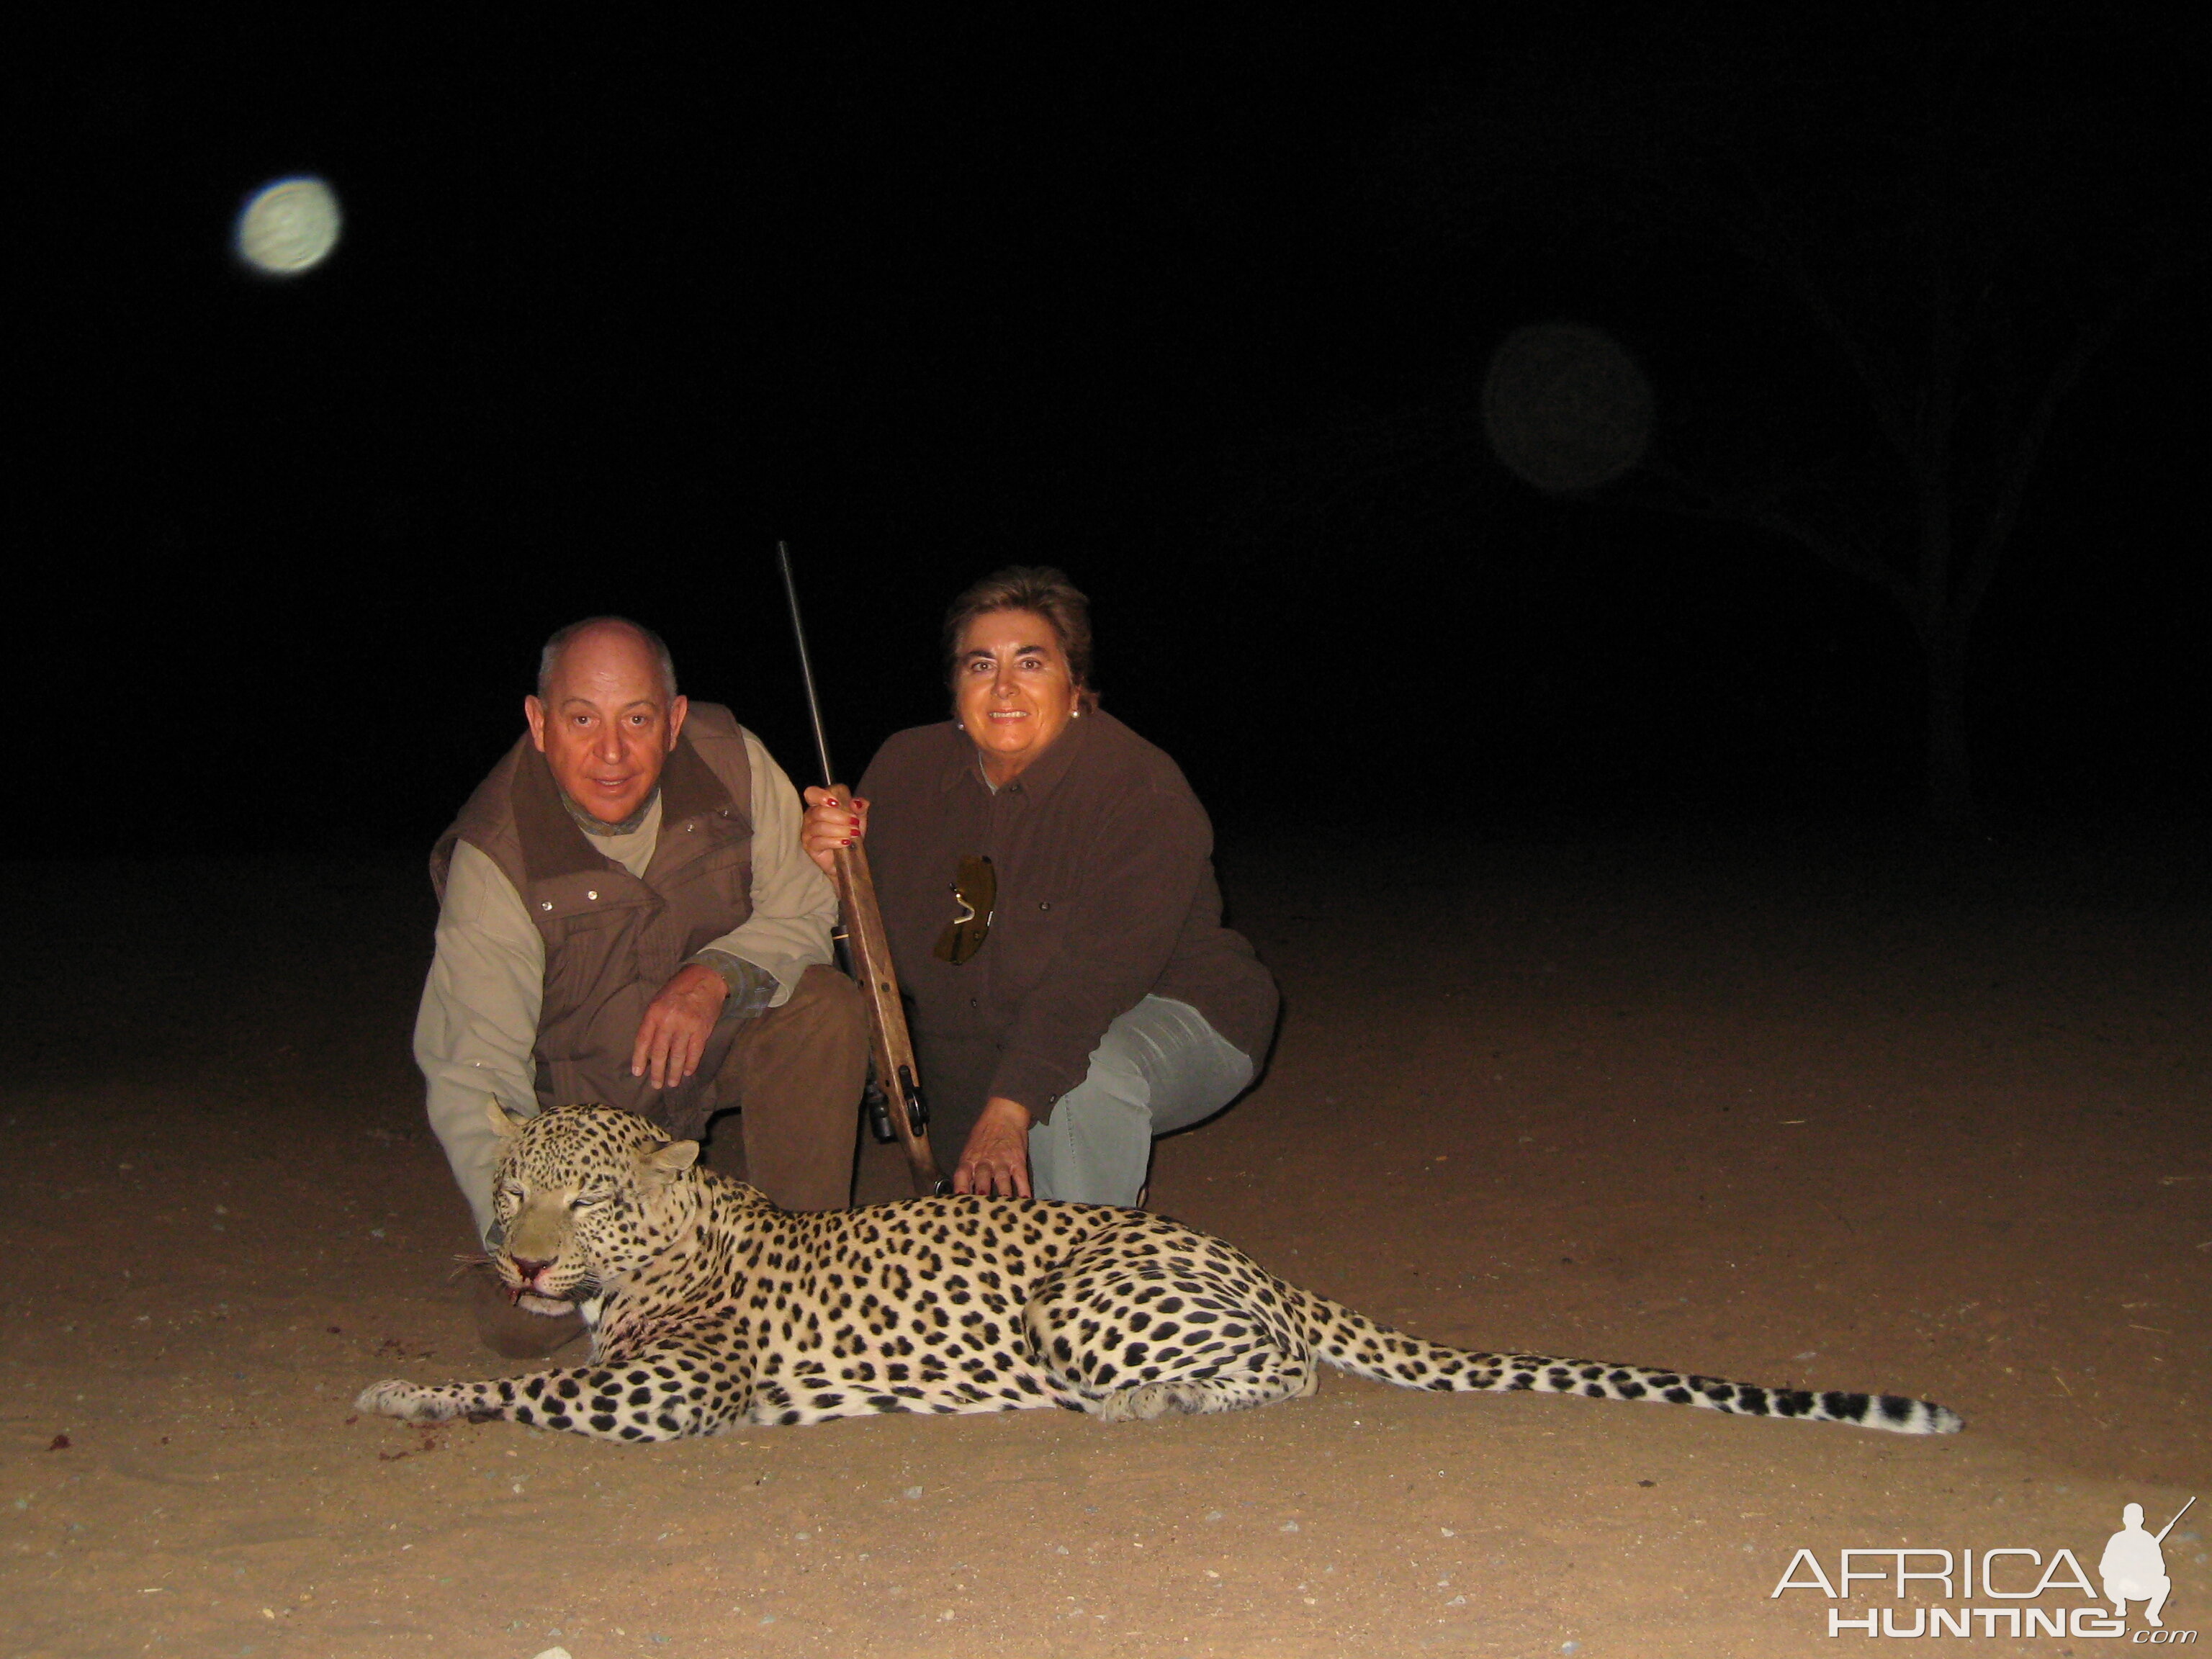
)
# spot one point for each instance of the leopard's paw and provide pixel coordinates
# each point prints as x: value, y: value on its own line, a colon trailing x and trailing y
x: 1151, y: 1400
x: 411, y: 1402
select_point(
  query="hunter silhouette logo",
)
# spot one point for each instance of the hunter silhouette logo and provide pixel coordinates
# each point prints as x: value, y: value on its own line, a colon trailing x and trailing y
x: 2132, y: 1569
x: 2133, y: 1566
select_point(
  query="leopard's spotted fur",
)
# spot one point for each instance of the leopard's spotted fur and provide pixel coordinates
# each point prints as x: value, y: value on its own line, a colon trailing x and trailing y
x: 711, y: 1308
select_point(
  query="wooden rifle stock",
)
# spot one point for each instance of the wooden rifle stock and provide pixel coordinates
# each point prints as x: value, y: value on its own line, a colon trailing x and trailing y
x: 896, y: 1091
x: 890, y: 1047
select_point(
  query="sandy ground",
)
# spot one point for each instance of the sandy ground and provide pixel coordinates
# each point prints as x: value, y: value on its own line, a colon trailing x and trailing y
x: 1854, y: 1116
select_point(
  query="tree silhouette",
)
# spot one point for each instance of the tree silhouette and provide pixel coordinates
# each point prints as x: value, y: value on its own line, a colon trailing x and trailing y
x: 1888, y: 254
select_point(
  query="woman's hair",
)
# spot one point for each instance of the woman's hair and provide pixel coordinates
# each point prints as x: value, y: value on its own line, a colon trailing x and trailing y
x: 1034, y: 588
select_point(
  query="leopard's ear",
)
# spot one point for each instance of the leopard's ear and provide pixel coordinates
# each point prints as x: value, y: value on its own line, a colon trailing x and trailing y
x: 673, y: 1159
x: 508, y: 1124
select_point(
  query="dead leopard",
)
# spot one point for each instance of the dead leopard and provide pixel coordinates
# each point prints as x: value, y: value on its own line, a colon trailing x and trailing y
x: 710, y: 1308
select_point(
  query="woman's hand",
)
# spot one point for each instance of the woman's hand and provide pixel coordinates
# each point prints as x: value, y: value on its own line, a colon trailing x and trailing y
x: 996, y: 1161
x: 831, y: 821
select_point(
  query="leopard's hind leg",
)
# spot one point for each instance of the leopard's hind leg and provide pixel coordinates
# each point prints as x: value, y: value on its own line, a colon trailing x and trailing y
x: 1138, y: 1323
x: 1264, y: 1378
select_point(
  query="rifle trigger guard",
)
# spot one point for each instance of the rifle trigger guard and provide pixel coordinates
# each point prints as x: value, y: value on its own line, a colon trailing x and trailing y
x: 917, y: 1108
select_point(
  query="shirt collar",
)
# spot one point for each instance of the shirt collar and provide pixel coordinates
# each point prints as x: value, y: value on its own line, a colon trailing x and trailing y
x: 592, y: 826
x: 1038, y: 779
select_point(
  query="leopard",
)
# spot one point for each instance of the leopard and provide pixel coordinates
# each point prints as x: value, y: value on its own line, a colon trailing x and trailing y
x: 708, y: 1309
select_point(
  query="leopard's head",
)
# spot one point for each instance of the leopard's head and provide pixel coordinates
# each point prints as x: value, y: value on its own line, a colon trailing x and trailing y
x: 584, y: 1196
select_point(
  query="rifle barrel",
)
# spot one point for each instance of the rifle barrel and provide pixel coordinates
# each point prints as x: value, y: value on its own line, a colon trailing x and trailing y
x: 805, y: 667
x: 2178, y: 1513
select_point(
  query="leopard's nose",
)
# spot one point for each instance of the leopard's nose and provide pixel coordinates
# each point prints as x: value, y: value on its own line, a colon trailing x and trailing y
x: 527, y: 1268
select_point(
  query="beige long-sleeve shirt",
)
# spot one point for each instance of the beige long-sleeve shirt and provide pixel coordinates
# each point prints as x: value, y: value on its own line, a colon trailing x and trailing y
x: 477, y: 1024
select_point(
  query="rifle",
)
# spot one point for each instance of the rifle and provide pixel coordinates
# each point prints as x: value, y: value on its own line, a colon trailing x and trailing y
x: 895, y: 1107
x: 2178, y: 1513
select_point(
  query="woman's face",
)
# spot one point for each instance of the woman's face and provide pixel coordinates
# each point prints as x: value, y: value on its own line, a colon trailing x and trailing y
x: 1011, y: 689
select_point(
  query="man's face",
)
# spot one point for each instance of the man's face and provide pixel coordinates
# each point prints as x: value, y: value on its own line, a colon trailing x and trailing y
x: 606, y: 722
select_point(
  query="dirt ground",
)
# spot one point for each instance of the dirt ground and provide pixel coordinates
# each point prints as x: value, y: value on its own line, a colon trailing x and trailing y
x: 1853, y: 1115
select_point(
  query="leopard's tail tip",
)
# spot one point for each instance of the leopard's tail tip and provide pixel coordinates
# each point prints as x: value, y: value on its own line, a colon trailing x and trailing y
x: 1903, y: 1415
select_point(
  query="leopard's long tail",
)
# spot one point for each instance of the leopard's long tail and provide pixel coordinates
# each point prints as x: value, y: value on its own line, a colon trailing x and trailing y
x: 1352, y: 1342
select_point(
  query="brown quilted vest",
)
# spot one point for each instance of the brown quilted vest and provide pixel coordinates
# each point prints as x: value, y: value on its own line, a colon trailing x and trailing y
x: 612, y: 939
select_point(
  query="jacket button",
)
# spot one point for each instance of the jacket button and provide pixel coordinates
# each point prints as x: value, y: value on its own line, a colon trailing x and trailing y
x: 547, y: 905
x: 592, y: 894
x: 1044, y: 904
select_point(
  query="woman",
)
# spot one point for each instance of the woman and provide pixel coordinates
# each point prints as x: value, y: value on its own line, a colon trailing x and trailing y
x: 1047, y: 881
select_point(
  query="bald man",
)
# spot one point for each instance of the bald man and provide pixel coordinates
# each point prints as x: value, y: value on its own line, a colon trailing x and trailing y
x: 626, y: 916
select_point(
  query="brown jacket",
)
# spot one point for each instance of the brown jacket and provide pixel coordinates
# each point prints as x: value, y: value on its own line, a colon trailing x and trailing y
x: 1106, y: 893
x: 612, y: 939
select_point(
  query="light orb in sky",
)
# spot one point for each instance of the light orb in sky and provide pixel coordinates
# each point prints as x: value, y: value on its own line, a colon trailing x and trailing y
x: 1566, y: 407
x: 288, y: 227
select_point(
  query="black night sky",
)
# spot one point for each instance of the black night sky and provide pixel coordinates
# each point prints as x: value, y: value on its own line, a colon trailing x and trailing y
x: 1201, y: 314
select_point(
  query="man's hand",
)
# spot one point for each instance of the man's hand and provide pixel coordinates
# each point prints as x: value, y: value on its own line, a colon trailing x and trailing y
x: 996, y: 1160
x: 672, y: 1036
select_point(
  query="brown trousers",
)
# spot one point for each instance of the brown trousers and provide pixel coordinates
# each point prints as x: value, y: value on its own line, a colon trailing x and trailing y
x: 794, y: 1076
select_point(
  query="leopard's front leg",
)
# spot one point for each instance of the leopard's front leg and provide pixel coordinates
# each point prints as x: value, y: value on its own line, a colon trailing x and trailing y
x: 664, y: 1393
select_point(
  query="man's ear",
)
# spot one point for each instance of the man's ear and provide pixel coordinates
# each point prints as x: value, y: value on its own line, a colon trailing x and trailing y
x: 509, y: 1124
x: 533, y: 710
x: 678, y: 707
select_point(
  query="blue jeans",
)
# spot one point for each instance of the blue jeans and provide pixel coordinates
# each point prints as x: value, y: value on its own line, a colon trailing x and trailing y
x: 1160, y: 1067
